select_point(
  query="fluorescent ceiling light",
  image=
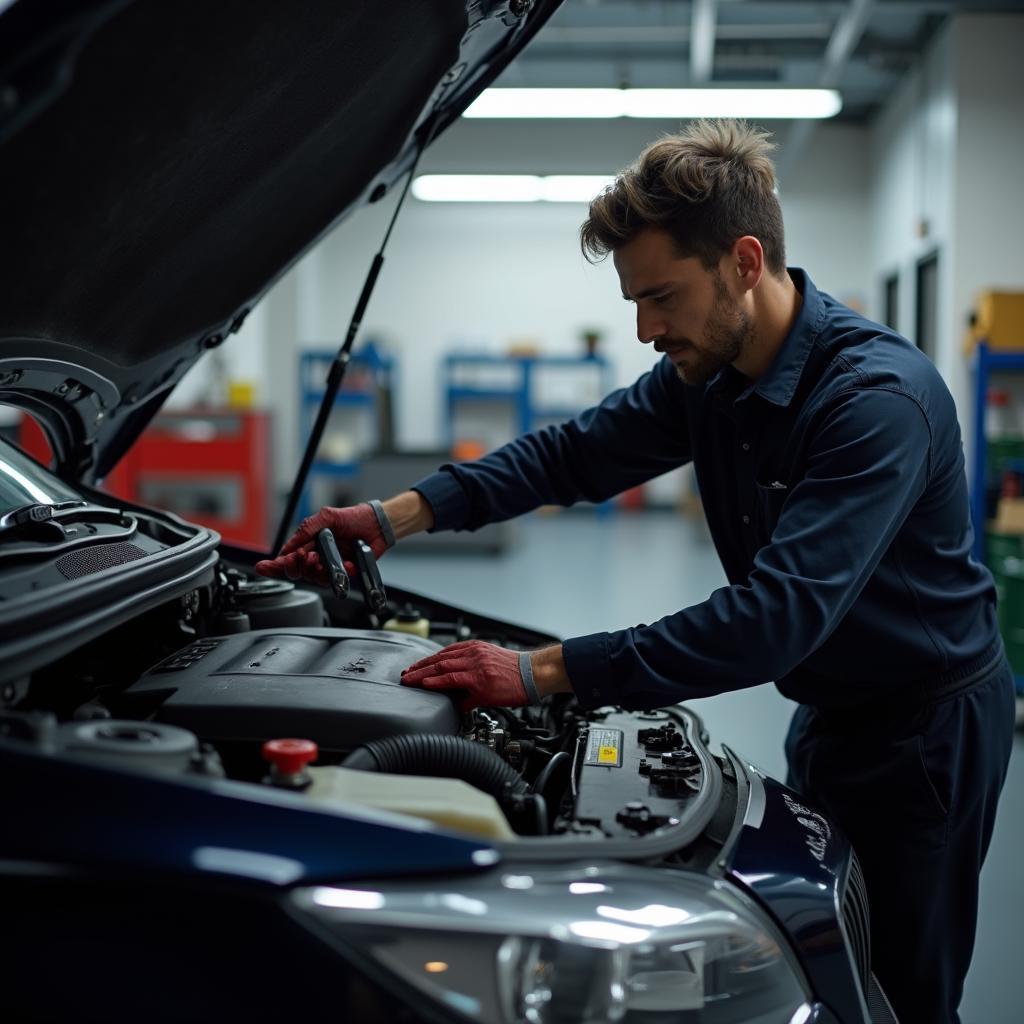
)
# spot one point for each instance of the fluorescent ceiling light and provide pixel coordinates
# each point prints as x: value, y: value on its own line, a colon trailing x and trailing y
x: 764, y: 104
x: 573, y: 188
x: 509, y: 188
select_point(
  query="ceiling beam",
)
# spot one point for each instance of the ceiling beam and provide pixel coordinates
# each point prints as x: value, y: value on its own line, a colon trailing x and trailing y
x: 773, y: 8
x: 845, y: 37
x: 674, y: 35
x: 702, y: 40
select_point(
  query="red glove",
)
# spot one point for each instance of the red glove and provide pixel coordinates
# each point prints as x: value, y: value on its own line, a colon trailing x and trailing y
x: 490, y: 675
x: 299, y: 558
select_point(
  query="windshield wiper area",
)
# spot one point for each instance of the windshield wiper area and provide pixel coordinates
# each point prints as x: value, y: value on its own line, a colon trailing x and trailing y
x: 45, y: 523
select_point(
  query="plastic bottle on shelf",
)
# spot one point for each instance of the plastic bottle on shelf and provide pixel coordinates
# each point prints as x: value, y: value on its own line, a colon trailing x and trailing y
x: 1000, y: 445
x: 999, y: 418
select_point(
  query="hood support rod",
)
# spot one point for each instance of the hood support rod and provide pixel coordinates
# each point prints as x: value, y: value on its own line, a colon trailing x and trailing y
x: 337, y: 372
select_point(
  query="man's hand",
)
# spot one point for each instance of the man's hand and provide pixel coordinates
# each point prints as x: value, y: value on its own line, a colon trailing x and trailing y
x: 491, y: 676
x: 488, y: 674
x: 299, y: 558
x: 406, y: 513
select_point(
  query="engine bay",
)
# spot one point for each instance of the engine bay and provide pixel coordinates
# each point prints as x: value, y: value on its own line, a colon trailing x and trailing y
x: 213, y: 683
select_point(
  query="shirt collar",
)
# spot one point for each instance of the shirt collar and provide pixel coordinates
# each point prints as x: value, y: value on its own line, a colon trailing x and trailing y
x: 778, y: 385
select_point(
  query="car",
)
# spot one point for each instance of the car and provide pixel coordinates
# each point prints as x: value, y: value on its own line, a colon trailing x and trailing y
x: 218, y: 802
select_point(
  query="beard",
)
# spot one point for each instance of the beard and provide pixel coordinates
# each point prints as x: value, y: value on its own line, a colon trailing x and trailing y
x: 726, y: 331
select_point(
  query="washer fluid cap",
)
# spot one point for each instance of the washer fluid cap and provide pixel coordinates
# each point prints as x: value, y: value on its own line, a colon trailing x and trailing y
x: 289, y: 756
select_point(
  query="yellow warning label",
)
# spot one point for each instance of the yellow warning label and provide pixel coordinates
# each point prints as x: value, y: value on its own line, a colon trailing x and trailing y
x: 604, y: 747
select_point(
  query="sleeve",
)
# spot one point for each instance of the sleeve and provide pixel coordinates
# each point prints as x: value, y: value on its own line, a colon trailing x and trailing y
x: 868, y: 466
x: 635, y: 434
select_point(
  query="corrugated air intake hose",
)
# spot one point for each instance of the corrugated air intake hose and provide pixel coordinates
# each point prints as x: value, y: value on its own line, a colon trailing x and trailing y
x: 445, y: 756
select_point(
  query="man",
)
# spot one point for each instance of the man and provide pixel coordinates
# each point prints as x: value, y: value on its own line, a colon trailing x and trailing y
x: 831, y: 469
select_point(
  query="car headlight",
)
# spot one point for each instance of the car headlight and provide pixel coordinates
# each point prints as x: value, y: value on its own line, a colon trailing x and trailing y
x: 553, y: 946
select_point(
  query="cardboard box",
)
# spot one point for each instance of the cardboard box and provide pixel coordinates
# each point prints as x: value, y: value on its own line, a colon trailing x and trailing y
x: 1000, y: 321
x: 1009, y: 516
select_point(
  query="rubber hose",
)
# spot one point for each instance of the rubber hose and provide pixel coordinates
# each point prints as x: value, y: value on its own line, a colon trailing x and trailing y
x: 540, y: 811
x: 449, y: 756
x: 542, y: 780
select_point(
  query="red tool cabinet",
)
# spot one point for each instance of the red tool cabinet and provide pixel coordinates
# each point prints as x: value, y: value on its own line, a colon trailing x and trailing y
x: 210, y: 466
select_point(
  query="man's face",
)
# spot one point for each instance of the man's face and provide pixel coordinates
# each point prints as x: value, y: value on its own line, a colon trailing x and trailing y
x: 686, y: 311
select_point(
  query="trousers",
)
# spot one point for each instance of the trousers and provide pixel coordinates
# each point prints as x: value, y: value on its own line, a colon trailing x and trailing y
x: 915, y: 791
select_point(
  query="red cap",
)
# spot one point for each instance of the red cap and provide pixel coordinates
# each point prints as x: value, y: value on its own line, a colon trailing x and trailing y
x: 289, y: 756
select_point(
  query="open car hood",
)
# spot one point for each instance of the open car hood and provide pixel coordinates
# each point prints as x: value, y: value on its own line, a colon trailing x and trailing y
x: 162, y: 164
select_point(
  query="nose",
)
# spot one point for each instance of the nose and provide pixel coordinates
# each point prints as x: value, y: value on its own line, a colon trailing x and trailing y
x: 649, y: 328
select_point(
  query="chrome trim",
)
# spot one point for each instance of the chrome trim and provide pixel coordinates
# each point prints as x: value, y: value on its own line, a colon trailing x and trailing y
x: 839, y: 891
x: 757, y: 799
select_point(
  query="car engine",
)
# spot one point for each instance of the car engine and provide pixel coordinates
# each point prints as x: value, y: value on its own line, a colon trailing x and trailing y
x: 339, y: 688
x: 216, y: 682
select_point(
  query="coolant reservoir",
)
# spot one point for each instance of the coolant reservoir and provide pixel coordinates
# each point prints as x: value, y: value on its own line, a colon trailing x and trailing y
x: 449, y: 802
x: 409, y: 620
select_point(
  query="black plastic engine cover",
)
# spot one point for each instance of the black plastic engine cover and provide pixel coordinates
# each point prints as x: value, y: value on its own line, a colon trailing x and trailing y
x: 338, y: 687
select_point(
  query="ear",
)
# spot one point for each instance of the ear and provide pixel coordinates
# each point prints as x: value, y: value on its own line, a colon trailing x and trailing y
x: 747, y: 260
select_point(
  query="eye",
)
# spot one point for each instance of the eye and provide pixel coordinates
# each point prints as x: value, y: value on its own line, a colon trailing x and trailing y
x: 663, y: 299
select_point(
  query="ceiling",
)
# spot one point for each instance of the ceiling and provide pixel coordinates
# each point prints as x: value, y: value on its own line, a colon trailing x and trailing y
x: 861, y: 47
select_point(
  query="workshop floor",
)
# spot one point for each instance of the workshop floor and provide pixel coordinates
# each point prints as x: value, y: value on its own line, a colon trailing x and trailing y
x: 577, y: 573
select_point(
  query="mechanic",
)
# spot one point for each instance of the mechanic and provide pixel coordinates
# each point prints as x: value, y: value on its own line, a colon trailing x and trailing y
x: 829, y: 460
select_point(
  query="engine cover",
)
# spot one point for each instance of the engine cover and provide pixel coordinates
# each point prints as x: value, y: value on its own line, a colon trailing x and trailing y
x: 338, y: 687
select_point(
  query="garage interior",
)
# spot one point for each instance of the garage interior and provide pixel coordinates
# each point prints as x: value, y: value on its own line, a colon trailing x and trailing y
x: 904, y: 204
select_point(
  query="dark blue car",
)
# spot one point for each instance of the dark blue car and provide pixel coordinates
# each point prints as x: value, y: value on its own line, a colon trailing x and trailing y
x: 218, y: 802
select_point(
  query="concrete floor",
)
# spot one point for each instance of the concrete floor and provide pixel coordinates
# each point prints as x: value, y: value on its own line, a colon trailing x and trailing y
x: 577, y: 573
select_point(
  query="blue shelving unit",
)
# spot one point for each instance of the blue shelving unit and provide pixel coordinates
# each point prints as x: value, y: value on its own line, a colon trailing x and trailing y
x: 522, y: 373
x: 366, y: 370
x: 986, y: 362
x: 515, y: 383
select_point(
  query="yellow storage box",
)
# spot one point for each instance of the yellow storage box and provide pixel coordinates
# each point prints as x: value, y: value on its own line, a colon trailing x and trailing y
x: 1000, y: 321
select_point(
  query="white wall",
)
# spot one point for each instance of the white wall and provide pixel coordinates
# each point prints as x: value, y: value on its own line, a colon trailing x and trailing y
x: 989, y: 214
x: 823, y: 202
x: 946, y: 158
x: 242, y: 358
x: 913, y: 157
x: 480, y: 276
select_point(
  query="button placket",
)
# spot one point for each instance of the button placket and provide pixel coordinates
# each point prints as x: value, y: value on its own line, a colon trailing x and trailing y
x: 746, y: 473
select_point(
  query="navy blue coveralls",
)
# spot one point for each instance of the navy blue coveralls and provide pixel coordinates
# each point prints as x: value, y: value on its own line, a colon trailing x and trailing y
x: 836, y: 496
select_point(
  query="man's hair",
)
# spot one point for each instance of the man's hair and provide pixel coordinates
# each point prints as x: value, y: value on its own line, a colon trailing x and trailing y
x: 706, y: 186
